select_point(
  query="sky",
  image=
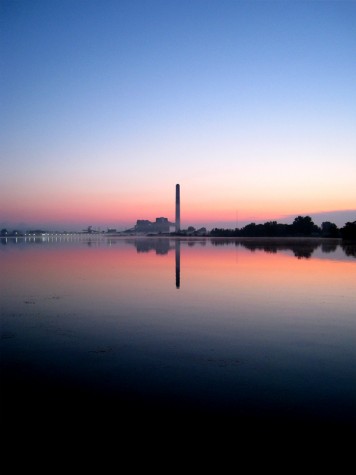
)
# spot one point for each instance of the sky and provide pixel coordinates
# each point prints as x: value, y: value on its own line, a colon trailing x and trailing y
x: 105, y: 105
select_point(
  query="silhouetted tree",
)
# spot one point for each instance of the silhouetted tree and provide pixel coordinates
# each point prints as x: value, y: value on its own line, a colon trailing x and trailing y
x: 253, y: 230
x: 221, y: 232
x: 348, y: 232
x: 304, y: 226
x: 329, y: 230
x: 269, y: 229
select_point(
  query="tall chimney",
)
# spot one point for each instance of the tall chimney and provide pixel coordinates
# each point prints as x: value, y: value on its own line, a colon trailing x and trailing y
x: 177, y: 208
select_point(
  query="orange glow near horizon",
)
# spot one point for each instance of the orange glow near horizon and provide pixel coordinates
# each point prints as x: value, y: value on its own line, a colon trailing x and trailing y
x: 108, y: 208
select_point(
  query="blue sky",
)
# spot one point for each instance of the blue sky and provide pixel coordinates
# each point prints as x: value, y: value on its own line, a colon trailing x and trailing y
x: 249, y: 105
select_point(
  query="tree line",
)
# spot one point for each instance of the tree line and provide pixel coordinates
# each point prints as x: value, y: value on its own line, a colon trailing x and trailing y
x: 302, y: 226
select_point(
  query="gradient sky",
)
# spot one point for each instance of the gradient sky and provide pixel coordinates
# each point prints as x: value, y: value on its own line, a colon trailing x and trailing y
x: 106, y: 105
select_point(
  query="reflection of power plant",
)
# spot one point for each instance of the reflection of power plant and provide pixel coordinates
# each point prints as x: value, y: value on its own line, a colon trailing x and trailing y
x: 160, y: 226
x: 161, y: 247
x: 177, y: 242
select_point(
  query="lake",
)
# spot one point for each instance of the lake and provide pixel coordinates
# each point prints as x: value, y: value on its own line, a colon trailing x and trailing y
x: 240, y: 339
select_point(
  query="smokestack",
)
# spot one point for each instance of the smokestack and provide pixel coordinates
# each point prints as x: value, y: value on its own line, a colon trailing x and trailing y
x: 177, y: 208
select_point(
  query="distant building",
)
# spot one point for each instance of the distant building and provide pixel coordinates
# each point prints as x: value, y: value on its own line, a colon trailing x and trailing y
x: 161, y: 225
x: 90, y: 230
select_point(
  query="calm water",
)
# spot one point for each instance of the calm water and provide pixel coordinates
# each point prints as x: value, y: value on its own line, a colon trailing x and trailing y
x: 257, y: 337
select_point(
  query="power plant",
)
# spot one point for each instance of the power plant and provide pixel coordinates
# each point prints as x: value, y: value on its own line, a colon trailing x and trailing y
x: 177, y: 208
x: 164, y: 226
x: 161, y: 225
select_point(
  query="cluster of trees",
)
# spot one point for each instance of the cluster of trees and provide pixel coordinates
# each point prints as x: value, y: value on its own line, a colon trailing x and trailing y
x: 302, y: 226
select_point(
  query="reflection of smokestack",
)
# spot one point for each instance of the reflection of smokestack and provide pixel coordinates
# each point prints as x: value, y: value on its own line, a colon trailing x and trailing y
x: 177, y: 208
x: 177, y: 242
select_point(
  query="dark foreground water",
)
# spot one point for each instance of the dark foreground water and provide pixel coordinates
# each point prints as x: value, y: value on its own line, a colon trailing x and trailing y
x: 220, y: 350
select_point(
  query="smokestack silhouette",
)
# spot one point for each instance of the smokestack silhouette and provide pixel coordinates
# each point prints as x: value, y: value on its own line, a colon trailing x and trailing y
x: 177, y: 208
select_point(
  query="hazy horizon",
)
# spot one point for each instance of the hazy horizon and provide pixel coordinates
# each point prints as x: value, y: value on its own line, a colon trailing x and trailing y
x: 340, y: 218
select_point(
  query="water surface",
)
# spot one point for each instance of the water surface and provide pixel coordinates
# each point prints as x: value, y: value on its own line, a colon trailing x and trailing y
x: 257, y: 335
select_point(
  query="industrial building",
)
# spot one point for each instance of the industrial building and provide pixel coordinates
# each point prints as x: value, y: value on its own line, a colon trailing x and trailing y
x: 161, y: 225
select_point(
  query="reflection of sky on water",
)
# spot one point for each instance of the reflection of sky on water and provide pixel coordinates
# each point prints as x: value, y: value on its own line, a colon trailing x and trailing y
x: 139, y: 276
x: 248, y: 330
